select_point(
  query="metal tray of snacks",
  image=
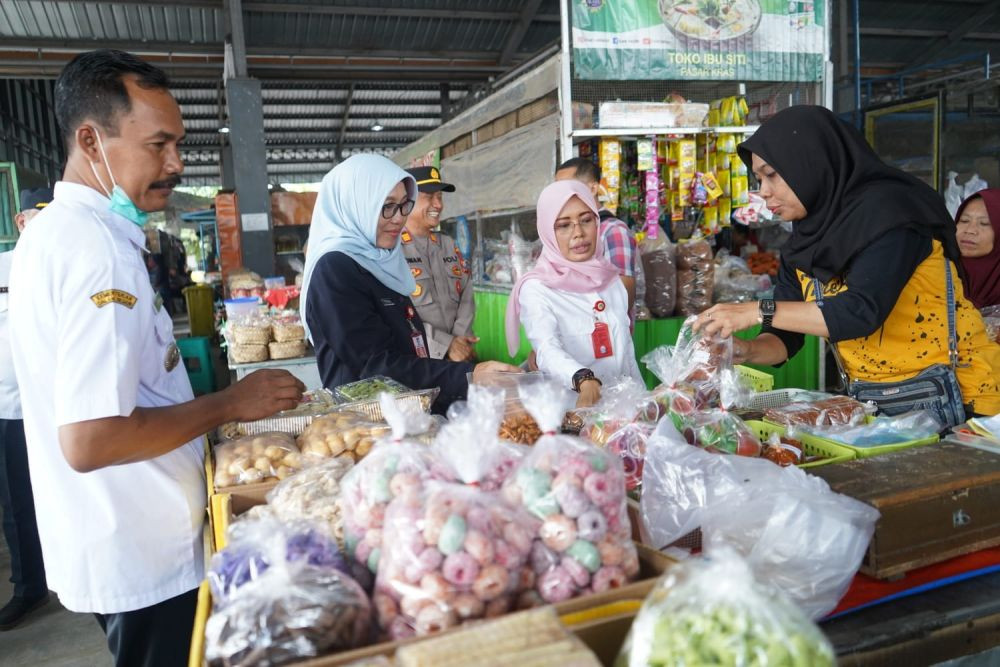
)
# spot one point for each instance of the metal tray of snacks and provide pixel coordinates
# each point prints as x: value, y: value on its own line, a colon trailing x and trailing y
x: 372, y: 408
x: 294, y: 421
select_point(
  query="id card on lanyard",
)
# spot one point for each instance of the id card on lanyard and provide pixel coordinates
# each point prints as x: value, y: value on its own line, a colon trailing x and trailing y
x: 601, y: 336
x: 416, y: 336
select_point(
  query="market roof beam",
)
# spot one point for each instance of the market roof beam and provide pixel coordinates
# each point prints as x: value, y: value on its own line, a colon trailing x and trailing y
x: 942, y: 44
x: 210, y: 49
x: 908, y: 33
x: 356, y: 10
x: 519, y: 30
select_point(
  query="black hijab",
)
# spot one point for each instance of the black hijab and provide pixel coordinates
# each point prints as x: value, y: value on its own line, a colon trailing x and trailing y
x: 851, y: 197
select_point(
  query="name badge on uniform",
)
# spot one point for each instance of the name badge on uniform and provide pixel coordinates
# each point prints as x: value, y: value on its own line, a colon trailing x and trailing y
x: 172, y: 358
x: 601, y: 337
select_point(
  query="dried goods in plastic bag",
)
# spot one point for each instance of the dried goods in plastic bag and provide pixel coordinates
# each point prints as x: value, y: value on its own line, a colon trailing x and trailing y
x: 659, y: 266
x: 825, y: 412
x: 313, y: 494
x: 695, y: 277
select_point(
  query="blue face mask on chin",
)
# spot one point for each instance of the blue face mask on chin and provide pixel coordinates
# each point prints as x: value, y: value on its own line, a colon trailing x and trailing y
x: 121, y: 203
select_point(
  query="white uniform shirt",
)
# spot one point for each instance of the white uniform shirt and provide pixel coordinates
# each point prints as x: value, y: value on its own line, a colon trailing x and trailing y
x: 560, y: 325
x: 123, y: 537
x: 10, y: 401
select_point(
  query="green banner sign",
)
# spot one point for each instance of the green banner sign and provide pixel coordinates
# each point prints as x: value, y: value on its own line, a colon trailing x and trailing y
x: 746, y: 40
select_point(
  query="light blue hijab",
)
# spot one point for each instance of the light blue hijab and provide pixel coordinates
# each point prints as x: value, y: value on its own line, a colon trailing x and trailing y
x: 346, y: 216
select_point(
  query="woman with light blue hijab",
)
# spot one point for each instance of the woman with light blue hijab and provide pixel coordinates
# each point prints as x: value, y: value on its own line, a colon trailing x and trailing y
x: 356, y: 289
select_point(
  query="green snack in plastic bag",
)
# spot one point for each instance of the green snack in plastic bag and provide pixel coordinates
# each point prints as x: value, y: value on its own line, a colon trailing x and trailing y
x: 711, y: 611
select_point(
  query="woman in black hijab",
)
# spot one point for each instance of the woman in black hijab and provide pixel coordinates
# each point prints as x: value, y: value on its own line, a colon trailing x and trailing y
x: 874, y: 241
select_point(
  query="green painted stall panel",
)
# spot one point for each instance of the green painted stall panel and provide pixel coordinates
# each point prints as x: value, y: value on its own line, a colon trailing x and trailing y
x: 801, y: 371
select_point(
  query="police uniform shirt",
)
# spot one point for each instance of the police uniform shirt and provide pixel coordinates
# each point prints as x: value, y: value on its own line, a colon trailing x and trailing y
x: 90, y: 341
x: 443, y: 296
x: 10, y: 402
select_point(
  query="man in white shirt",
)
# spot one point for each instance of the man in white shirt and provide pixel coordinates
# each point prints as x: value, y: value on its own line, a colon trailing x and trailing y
x: 114, y: 431
x: 27, y: 573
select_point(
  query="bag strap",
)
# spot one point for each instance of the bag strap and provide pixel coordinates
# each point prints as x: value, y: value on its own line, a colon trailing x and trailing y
x: 818, y: 293
x: 952, y: 331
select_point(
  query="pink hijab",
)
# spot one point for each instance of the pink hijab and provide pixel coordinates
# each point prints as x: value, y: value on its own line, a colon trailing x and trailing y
x: 552, y: 268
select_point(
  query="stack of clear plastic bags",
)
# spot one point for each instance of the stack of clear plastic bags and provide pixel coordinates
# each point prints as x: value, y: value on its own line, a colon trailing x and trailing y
x: 713, y: 611
x: 882, y: 430
x: 621, y: 423
x: 735, y: 283
x: 281, y: 595
x: 832, y: 411
x: 451, y: 553
x: 467, y: 449
x: 576, y: 491
x: 796, y: 533
x: 397, y: 466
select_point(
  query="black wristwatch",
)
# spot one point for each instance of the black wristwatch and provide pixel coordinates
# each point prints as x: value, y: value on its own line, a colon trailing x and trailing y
x: 767, y: 308
x: 582, y: 376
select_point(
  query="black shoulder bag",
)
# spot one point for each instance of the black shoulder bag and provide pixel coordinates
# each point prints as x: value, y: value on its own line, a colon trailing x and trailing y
x: 935, y: 389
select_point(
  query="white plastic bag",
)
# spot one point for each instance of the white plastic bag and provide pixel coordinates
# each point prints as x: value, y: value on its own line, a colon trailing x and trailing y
x: 796, y: 533
x: 973, y: 185
x: 953, y: 194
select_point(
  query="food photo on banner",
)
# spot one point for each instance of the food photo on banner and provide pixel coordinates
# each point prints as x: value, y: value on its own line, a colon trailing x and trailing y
x: 751, y: 40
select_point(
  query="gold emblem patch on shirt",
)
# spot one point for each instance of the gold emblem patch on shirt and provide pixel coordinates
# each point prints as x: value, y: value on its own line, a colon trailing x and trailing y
x: 118, y: 296
x: 418, y: 291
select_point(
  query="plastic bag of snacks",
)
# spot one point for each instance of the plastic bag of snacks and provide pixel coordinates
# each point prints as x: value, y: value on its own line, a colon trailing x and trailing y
x: 451, y: 554
x: 396, y: 467
x: 692, y: 368
x: 517, y: 424
x: 711, y: 611
x: 346, y: 434
x: 621, y: 423
x: 883, y: 430
x: 256, y: 458
x: 577, y: 492
x: 659, y: 265
x: 695, y: 277
x: 466, y: 448
x: 313, y: 494
x: 836, y: 410
x: 248, y: 554
x: 299, y: 606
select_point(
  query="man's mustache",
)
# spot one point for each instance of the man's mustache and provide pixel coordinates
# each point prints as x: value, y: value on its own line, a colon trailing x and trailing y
x: 171, y: 182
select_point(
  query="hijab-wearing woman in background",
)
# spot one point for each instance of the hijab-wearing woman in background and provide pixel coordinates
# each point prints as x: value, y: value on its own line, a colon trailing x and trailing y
x: 877, y: 240
x: 573, y: 306
x: 356, y: 287
x: 978, y: 232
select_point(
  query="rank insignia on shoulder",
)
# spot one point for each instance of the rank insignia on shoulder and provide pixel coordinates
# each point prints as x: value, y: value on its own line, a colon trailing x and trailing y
x: 405, y: 236
x: 118, y: 296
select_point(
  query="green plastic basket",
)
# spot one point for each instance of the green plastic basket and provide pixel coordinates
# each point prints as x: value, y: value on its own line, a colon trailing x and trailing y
x: 831, y: 452
x: 866, y: 452
x: 758, y: 380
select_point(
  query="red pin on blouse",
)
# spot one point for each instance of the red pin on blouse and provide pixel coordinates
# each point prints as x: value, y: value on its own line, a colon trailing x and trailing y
x: 600, y: 306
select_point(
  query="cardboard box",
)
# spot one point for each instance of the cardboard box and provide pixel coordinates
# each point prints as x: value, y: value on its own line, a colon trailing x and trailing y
x: 937, y: 502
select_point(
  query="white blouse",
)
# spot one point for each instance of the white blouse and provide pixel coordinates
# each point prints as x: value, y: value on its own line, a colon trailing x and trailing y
x: 560, y: 325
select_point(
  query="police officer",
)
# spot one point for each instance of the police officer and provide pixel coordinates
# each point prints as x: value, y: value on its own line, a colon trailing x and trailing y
x: 113, y: 429
x: 19, y: 528
x: 443, y: 295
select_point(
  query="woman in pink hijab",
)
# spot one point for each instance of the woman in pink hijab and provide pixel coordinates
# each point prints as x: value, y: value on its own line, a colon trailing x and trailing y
x: 573, y: 306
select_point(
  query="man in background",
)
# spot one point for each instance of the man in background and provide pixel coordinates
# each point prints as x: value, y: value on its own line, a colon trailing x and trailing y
x: 27, y: 571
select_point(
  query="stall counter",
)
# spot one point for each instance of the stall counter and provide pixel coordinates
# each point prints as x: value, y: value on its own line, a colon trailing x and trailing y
x: 802, y: 371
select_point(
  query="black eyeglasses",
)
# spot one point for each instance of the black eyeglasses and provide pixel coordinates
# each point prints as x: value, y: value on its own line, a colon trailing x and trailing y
x: 389, y: 210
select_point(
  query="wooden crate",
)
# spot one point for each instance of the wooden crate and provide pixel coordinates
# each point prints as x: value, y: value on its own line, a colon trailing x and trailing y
x: 937, y: 502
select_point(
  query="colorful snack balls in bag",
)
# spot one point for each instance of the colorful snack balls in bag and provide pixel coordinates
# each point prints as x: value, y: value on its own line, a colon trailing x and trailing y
x: 256, y: 458
x: 396, y: 467
x: 712, y: 611
x: 451, y: 554
x: 467, y: 448
x: 621, y: 424
x: 690, y: 371
x: 577, y: 492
